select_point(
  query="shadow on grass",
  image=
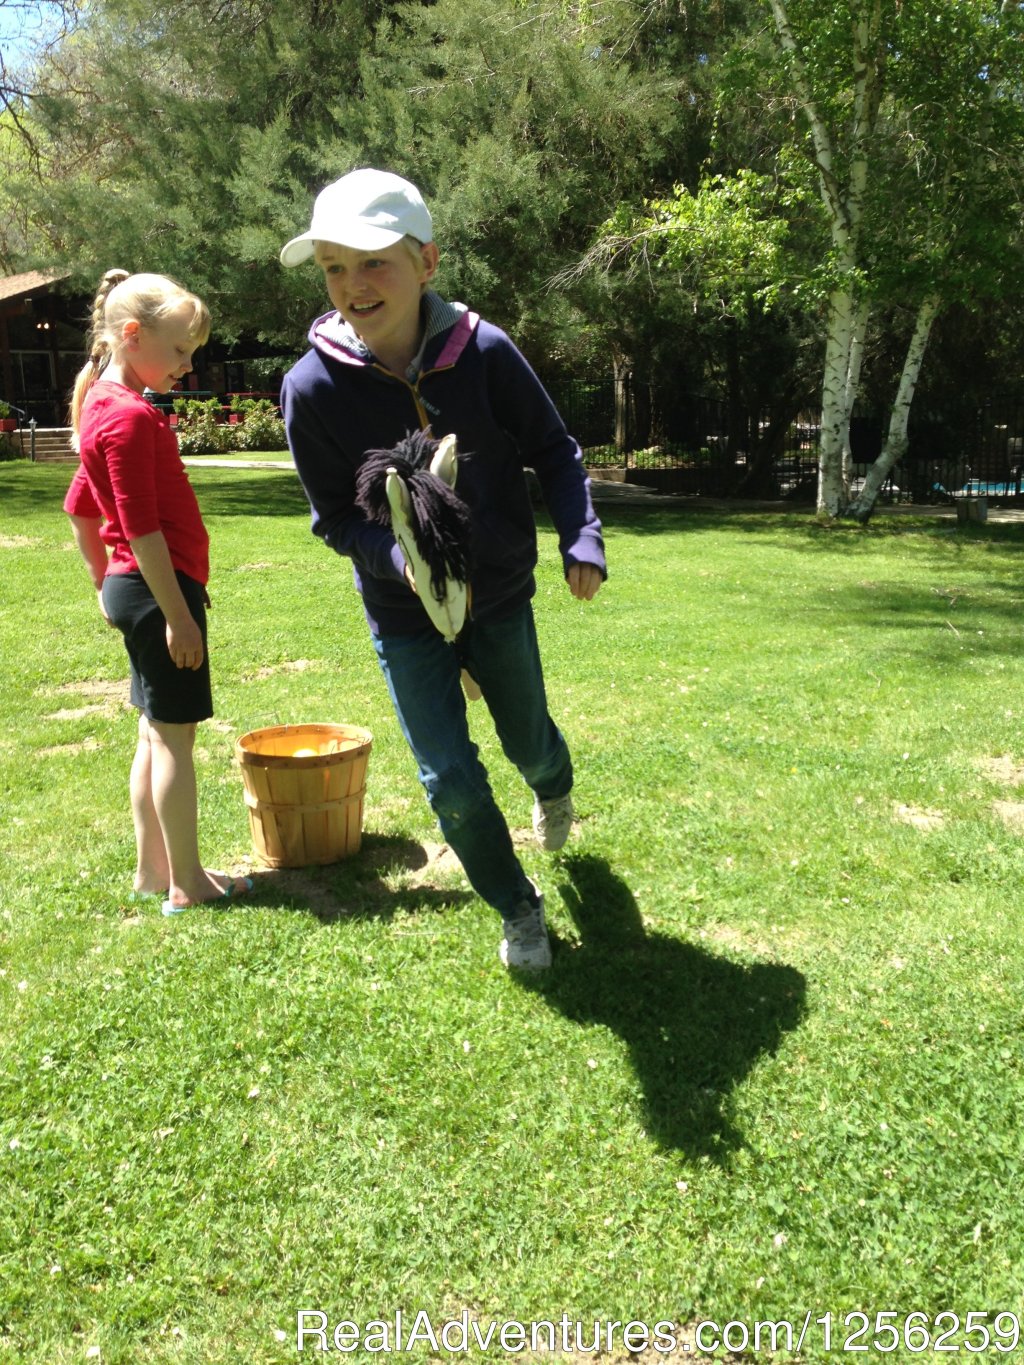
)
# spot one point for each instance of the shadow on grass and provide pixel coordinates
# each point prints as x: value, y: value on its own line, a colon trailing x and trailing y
x: 800, y: 526
x: 249, y: 493
x: 276, y: 492
x: 27, y: 488
x: 695, y: 1023
x: 390, y: 875
x: 954, y: 625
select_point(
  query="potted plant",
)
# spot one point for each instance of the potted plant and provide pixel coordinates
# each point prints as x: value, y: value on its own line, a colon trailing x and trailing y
x: 8, y: 422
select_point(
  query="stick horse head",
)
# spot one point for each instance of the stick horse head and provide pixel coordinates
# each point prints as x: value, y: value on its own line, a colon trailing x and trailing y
x: 411, y: 490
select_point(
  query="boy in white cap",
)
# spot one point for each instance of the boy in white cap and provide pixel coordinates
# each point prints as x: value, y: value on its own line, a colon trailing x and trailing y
x: 390, y: 358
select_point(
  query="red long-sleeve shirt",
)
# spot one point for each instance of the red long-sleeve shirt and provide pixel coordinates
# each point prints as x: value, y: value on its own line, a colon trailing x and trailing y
x: 132, y: 475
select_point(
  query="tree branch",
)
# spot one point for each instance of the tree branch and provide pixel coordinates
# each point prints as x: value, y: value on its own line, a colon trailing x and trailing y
x: 823, y: 148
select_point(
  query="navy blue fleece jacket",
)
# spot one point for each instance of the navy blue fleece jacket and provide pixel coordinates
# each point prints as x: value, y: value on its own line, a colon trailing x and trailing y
x: 338, y: 403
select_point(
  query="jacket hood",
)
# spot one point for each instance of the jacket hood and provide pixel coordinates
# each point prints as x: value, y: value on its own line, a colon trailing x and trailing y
x: 332, y: 336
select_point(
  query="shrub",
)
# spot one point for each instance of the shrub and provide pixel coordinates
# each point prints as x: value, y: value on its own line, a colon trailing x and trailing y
x: 202, y: 429
x: 651, y: 457
x: 598, y: 456
x: 199, y: 431
x: 261, y: 426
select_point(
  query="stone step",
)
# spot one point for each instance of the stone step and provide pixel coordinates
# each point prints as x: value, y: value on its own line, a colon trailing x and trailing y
x: 52, y: 445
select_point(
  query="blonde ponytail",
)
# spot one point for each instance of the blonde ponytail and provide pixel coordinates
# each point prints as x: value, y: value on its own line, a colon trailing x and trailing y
x: 99, y: 349
x: 121, y: 298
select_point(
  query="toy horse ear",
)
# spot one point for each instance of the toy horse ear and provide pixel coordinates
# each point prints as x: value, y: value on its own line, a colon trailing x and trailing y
x: 444, y: 464
x: 447, y: 610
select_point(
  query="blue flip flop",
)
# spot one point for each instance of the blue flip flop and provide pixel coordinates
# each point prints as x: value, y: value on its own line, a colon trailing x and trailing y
x: 244, y: 884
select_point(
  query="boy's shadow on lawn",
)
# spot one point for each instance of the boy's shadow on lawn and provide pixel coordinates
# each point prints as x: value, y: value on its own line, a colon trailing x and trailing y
x: 695, y: 1024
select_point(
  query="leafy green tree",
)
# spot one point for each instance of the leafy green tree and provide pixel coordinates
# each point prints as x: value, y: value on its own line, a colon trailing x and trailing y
x: 730, y: 254
x: 914, y: 130
x: 181, y: 139
x: 524, y: 123
x: 904, y: 123
x: 191, y: 139
x: 39, y: 27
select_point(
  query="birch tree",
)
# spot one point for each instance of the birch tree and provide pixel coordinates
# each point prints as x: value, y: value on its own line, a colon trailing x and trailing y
x: 913, y: 119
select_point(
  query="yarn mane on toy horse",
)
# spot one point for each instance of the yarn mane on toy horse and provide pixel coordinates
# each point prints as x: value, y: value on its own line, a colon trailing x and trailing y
x: 411, y: 490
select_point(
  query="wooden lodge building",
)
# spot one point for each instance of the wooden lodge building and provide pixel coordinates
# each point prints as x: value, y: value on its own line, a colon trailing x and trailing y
x: 43, y: 326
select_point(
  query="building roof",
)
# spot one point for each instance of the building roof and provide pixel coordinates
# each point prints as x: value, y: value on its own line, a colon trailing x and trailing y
x: 15, y: 286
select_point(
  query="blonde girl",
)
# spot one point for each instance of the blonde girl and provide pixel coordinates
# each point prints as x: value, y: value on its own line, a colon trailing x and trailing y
x: 139, y: 529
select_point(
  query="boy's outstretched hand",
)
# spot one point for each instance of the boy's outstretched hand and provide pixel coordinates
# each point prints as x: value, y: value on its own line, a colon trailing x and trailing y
x: 584, y: 581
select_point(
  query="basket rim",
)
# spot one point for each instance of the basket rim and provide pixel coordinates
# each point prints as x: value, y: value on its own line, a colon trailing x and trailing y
x: 247, y: 753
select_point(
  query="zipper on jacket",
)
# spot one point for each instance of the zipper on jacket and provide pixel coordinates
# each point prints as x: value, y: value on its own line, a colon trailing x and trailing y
x: 419, y: 402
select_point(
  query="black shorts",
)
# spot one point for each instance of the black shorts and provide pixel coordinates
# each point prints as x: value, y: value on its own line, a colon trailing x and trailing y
x: 161, y: 690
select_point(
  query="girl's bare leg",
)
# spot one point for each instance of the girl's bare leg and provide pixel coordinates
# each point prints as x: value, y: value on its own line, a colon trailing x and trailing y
x: 175, y: 801
x: 152, y: 870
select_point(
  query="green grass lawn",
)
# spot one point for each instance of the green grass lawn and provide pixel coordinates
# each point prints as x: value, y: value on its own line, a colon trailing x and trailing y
x: 775, y: 1068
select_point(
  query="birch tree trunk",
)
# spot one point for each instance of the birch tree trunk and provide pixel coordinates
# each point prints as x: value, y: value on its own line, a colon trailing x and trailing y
x: 895, y: 446
x: 860, y: 327
x: 835, y: 403
x: 848, y: 309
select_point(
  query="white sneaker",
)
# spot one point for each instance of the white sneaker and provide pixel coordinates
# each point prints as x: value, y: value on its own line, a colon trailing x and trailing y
x: 552, y: 821
x: 526, y: 937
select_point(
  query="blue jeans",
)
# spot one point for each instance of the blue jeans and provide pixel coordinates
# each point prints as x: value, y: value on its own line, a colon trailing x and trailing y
x: 423, y: 677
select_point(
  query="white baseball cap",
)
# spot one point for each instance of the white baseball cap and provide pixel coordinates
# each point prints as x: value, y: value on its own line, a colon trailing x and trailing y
x: 367, y: 210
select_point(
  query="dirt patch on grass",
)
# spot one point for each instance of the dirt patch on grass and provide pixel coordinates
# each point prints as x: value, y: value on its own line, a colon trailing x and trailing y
x: 105, y: 695
x: 304, y: 886
x: 440, y: 861
x: 75, y: 712
x: 289, y: 666
x: 919, y: 816
x: 103, y: 699
x: 1011, y: 813
x: 747, y: 944
x: 18, y: 542
x: 83, y: 746
x: 1004, y: 769
x: 93, y: 687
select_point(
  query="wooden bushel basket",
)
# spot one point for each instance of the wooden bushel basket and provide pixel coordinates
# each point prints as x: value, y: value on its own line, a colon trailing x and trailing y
x: 305, y: 809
